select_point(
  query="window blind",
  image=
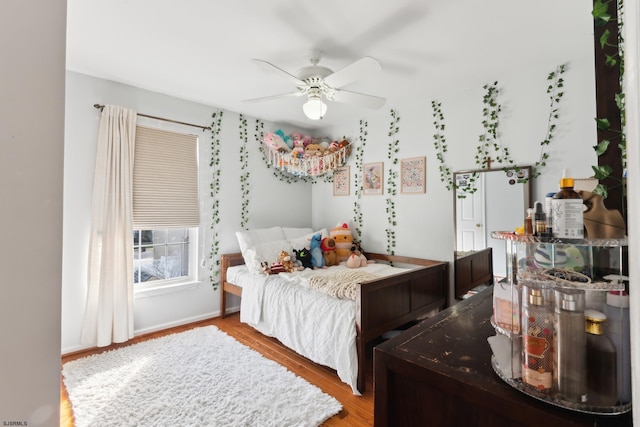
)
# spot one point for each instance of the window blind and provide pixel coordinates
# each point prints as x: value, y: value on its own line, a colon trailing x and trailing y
x: 165, y: 179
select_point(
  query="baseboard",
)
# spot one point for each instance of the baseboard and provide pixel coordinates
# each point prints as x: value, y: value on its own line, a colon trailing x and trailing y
x: 138, y: 332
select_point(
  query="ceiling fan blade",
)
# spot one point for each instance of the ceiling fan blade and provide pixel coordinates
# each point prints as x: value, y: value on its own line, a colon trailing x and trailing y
x: 353, y: 72
x: 355, y: 98
x: 277, y: 70
x: 274, y: 97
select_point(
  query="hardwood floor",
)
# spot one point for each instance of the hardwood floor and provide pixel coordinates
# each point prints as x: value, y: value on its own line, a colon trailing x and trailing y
x: 357, y: 410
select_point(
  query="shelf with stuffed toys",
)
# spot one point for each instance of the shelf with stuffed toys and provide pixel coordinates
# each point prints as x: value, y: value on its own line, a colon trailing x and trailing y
x: 301, y: 155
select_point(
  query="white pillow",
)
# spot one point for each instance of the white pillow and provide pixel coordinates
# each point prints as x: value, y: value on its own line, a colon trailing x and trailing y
x: 292, y: 232
x: 269, y: 252
x: 303, y: 241
x: 258, y: 236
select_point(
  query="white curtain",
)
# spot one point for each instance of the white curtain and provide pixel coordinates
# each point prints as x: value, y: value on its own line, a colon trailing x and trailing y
x: 108, y: 313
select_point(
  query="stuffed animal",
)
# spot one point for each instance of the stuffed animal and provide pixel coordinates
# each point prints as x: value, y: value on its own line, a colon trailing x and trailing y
x: 343, y: 238
x: 275, y: 142
x: 285, y: 138
x: 357, y: 258
x: 304, y: 256
x: 317, y: 260
x: 265, y: 267
x: 313, y: 150
x: 287, y: 263
x: 328, y: 246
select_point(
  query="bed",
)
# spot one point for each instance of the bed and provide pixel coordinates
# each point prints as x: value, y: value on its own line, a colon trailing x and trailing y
x: 275, y: 304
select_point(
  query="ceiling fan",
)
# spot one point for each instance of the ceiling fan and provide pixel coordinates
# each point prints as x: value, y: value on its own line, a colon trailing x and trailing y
x: 318, y: 82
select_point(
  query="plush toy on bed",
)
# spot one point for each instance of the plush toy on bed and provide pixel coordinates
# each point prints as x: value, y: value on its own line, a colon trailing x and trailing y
x: 357, y: 258
x: 343, y: 238
x: 328, y: 246
x: 287, y: 262
x: 304, y: 256
x: 317, y: 260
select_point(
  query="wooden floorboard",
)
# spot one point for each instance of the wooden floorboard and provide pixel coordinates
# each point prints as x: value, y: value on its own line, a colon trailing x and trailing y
x: 357, y: 410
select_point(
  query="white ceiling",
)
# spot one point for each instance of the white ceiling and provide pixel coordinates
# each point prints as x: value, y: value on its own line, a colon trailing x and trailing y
x: 200, y: 50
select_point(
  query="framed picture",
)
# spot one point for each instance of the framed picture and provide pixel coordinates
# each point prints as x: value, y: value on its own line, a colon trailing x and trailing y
x: 413, y: 173
x: 341, y: 181
x: 372, y: 178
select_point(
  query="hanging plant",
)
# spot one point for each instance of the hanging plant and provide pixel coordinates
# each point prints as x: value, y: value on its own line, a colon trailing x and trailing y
x: 392, y: 181
x: 554, y: 90
x: 357, y: 208
x: 214, y: 164
x: 490, y: 141
x: 244, y: 175
x: 611, y: 126
x: 440, y: 143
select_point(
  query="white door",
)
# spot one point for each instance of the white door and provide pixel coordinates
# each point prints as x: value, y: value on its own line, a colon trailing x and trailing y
x: 470, y: 219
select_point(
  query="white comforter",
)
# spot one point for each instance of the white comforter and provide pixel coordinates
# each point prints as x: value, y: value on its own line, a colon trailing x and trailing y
x: 314, y: 324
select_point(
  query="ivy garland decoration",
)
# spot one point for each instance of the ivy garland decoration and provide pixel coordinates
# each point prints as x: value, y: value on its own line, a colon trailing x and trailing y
x: 392, y: 181
x: 490, y: 139
x: 358, y: 219
x: 556, y: 83
x: 244, y: 176
x: 214, y: 164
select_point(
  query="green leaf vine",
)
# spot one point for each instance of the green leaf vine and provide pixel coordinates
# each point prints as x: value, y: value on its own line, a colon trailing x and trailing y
x: 602, y: 16
x: 358, y: 219
x: 392, y: 180
x: 555, y: 92
x: 489, y: 141
x: 245, y: 184
x: 214, y: 164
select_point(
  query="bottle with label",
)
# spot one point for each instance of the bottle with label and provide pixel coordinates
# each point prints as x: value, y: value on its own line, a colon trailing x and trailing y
x: 602, y: 388
x: 617, y: 330
x: 567, y: 210
x: 548, y: 210
x: 570, y: 346
x: 528, y: 222
x: 537, y: 339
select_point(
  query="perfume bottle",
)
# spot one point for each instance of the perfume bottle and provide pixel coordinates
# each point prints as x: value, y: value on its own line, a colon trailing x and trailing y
x: 602, y: 387
x: 570, y: 346
x: 537, y: 339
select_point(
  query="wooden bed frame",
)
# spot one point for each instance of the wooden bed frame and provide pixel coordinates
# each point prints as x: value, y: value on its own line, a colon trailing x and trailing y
x: 382, y: 304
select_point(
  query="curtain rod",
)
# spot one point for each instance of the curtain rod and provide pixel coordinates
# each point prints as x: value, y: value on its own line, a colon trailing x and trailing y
x: 101, y: 107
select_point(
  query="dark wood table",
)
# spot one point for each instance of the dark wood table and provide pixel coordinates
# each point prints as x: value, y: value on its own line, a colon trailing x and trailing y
x: 438, y: 373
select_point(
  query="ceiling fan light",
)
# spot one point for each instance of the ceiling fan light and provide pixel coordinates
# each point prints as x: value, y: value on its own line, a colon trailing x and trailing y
x: 314, y: 108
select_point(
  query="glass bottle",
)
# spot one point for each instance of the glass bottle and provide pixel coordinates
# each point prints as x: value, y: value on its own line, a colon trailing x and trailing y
x: 570, y: 346
x: 602, y: 387
x: 537, y: 339
x: 567, y: 209
x: 528, y: 222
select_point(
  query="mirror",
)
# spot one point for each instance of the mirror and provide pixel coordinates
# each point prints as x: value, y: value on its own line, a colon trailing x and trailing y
x: 499, y: 203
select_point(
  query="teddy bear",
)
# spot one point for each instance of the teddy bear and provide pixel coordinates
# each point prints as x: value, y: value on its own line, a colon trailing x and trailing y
x: 317, y: 260
x: 286, y: 261
x: 304, y: 256
x: 343, y: 238
x: 328, y: 246
x: 313, y: 150
x: 286, y: 138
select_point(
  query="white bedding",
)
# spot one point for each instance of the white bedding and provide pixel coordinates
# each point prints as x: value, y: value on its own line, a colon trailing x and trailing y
x: 314, y: 324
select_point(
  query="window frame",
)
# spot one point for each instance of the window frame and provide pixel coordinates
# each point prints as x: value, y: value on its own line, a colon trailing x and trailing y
x: 167, y: 285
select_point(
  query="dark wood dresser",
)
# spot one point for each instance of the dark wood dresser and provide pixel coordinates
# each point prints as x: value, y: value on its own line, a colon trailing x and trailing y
x: 438, y: 373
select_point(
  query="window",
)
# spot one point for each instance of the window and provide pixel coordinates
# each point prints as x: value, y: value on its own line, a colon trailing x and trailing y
x: 164, y: 254
x: 165, y: 208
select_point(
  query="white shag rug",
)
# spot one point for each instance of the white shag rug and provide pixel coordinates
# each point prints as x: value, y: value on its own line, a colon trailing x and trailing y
x: 201, y: 377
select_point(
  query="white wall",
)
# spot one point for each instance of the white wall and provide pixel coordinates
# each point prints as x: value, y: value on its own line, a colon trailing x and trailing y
x: 272, y: 202
x: 32, y: 42
x: 425, y: 222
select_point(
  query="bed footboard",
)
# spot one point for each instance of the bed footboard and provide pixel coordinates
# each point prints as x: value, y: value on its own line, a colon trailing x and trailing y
x: 387, y: 303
